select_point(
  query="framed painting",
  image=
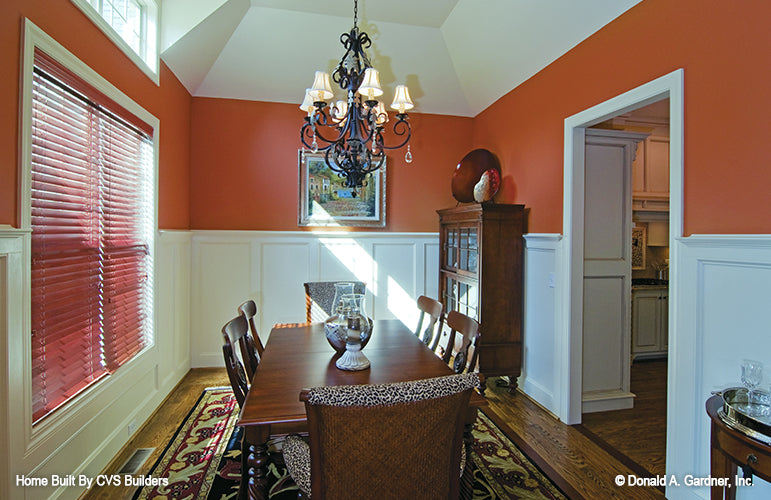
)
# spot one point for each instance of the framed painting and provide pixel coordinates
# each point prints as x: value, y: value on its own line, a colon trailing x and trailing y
x: 324, y: 201
x: 639, y: 244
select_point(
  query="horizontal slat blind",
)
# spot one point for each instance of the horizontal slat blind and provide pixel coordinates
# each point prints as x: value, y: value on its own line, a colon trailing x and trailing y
x: 92, y: 229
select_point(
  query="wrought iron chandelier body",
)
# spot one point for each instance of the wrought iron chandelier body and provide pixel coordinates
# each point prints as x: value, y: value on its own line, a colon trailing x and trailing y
x: 351, y: 131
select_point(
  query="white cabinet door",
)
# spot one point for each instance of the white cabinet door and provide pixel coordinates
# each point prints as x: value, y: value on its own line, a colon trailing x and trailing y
x: 650, y: 312
x: 650, y: 175
x: 645, y: 321
x: 664, y: 323
x: 657, y: 166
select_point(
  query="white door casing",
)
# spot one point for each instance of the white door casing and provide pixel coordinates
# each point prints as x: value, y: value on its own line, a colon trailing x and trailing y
x: 570, y: 301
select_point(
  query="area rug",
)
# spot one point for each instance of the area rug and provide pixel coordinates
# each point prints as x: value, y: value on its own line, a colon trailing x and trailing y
x: 203, y: 460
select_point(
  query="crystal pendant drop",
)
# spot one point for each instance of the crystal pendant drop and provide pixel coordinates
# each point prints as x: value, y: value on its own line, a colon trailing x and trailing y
x: 408, y: 155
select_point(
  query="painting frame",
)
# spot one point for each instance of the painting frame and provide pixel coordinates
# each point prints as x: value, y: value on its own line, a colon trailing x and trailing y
x: 324, y: 202
x: 639, y: 245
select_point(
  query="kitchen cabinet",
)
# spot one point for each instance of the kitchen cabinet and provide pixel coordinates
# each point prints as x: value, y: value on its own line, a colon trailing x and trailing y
x: 480, y: 275
x: 650, y: 317
x: 650, y: 175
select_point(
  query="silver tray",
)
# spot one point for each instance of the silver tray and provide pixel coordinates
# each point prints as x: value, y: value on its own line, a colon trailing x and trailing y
x: 750, y: 415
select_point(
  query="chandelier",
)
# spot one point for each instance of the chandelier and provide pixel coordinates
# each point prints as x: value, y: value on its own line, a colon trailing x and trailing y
x: 351, y: 130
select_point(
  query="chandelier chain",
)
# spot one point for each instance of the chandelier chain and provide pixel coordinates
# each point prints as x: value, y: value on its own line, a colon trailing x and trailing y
x: 355, y: 12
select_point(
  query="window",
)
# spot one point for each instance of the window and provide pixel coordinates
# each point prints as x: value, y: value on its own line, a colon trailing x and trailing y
x: 92, y: 219
x: 132, y: 25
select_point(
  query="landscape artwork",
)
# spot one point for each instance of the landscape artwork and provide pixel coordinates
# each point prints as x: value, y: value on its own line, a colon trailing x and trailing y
x: 325, y: 201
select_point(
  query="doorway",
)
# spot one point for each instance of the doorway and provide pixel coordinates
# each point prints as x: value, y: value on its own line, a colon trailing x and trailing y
x: 636, y: 435
x: 570, y: 318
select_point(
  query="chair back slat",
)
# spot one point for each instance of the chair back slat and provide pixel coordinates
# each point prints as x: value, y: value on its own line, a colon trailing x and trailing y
x: 250, y: 344
x: 462, y: 342
x: 232, y: 332
x: 432, y: 309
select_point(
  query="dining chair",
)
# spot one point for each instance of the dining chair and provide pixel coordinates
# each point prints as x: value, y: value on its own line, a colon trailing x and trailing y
x: 386, y: 441
x: 433, y: 309
x: 319, y: 298
x: 232, y: 333
x: 250, y: 345
x: 460, y: 351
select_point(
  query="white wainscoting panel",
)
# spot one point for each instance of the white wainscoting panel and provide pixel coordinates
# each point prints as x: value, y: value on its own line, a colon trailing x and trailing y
x: 539, y: 369
x: 11, y: 295
x: 723, y: 315
x: 83, y: 436
x: 229, y: 267
x: 275, y: 298
x: 172, y: 271
x: 396, y: 277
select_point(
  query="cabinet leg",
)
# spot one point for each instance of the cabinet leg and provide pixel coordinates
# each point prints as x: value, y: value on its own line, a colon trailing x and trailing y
x: 509, y: 381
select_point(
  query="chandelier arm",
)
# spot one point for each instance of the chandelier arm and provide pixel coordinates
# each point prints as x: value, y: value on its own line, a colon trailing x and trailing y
x: 400, y: 128
x: 331, y: 163
x: 365, y: 132
x: 319, y: 135
x: 374, y: 167
x: 307, y: 133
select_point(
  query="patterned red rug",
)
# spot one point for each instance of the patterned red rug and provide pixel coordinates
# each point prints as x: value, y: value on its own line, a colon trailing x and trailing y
x: 203, y: 460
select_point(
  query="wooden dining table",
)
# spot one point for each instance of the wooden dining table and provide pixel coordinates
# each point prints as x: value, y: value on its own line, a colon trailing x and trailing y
x: 299, y: 357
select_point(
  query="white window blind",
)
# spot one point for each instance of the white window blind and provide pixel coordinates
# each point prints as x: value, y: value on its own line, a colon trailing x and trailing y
x: 92, y: 232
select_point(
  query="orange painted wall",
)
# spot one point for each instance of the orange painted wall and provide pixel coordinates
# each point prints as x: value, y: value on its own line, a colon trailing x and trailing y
x: 244, y: 167
x: 169, y: 102
x: 724, y: 48
x: 212, y: 150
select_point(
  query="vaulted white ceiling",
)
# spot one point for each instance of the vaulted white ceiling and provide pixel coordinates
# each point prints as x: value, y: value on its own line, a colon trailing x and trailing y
x: 456, y: 56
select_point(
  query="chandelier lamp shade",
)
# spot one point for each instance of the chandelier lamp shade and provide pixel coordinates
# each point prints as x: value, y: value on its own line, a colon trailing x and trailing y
x: 350, y: 131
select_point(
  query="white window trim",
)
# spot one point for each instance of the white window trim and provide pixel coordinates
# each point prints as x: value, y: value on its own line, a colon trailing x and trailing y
x: 153, y: 12
x: 73, y: 411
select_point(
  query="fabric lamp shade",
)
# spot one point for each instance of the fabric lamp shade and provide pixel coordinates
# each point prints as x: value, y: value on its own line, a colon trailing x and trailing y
x: 307, y: 104
x: 339, y: 111
x: 370, y: 84
x: 321, y: 89
x: 382, y: 114
x: 402, y: 101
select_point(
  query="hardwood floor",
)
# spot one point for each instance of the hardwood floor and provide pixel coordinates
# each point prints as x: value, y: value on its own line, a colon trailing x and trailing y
x: 160, y: 428
x: 638, y: 434
x: 578, y: 465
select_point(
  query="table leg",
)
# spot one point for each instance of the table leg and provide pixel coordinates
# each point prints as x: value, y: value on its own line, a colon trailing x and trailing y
x: 721, y: 466
x: 254, y: 472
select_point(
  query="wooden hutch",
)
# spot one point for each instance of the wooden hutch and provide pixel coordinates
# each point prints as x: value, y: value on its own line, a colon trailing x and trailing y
x: 480, y: 275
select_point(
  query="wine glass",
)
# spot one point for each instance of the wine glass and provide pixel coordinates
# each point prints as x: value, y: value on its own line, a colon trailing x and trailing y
x: 752, y: 375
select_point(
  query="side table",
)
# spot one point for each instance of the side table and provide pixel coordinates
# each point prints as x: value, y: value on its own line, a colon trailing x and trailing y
x: 731, y: 448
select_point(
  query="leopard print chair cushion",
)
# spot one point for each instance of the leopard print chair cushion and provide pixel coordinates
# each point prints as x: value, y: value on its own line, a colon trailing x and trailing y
x: 386, y: 394
x: 297, y: 458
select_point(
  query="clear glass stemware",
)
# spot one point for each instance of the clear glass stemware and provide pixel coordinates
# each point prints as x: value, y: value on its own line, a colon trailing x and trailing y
x: 752, y: 376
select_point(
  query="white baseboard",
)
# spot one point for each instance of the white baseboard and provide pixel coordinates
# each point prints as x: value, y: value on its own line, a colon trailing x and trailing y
x: 606, y: 401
